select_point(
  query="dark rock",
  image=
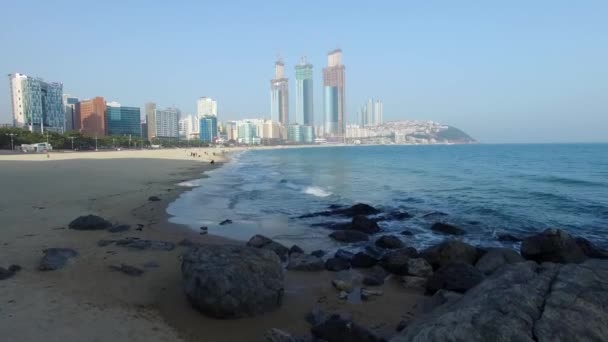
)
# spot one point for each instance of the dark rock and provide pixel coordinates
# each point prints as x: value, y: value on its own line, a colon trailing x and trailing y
x: 357, y: 209
x: 363, y: 224
x: 153, y: 198
x: 591, y: 250
x: 505, y: 237
x: 407, y: 233
x: 277, y: 335
x: 56, y: 258
x: 103, y: 243
x: 363, y: 260
x: 434, y: 214
x: 413, y: 282
x: 334, y: 225
x: 8, y: 273
x: 127, y: 269
x: 337, y: 264
x: 90, y: 222
x: 450, y: 251
x: 524, y: 302
x: 552, y: 245
x: 375, y: 251
x: 344, y: 254
x: 142, y: 244
x: 375, y: 277
x: 349, y: 236
x: 225, y: 281
x: 367, y: 294
x: 444, y: 296
x: 396, y: 262
x: 345, y: 281
x: 419, y: 267
x: 261, y: 241
x: 187, y: 243
x: 398, y: 215
x: 225, y: 222
x: 389, y: 242
x: 295, y: 249
x: 119, y: 228
x: 495, y: 258
x: 305, y: 262
x: 318, y: 253
x: 458, y: 277
x: 447, y: 229
x: 338, y: 329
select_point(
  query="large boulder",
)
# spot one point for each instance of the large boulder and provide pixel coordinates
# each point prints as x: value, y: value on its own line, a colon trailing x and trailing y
x: 448, y: 252
x: 552, y: 245
x: 396, y: 262
x: 56, y: 258
x: 349, y: 236
x: 336, y: 264
x: 446, y: 228
x: 340, y: 329
x: 305, y: 262
x: 419, y: 267
x: 523, y: 302
x: 363, y: 224
x: 363, y: 260
x: 495, y: 258
x: 389, y: 242
x: 457, y: 277
x: 261, y: 241
x: 357, y: 209
x: 225, y: 281
x: 90, y: 222
x: 591, y: 250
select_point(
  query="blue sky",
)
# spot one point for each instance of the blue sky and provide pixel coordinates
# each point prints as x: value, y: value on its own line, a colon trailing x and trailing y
x: 503, y: 71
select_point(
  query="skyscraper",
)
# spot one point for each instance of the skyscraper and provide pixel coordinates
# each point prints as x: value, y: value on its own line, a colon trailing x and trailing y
x: 334, y: 95
x: 167, y: 123
x: 304, y: 102
x: 206, y: 106
x: 121, y: 120
x: 150, y: 108
x: 371, y: 114
x: 37, y: 105
x: 69, y: 105
x: 208, y: 129
x: 91, y: 117
x: 279, y: 104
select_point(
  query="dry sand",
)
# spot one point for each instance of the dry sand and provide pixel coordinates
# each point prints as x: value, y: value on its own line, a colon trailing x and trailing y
x: 86, y: 301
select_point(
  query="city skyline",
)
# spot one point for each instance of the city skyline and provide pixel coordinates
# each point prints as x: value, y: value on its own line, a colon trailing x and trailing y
x: 503, y: 72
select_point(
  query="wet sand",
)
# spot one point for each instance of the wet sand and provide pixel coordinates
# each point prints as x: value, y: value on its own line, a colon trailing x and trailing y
x: 86, y: 300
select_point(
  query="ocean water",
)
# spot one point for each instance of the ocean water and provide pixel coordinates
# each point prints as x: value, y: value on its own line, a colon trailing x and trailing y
x: 484, y: 189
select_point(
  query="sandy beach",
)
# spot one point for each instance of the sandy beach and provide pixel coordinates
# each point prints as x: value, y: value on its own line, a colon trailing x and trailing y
x: 86, y: 300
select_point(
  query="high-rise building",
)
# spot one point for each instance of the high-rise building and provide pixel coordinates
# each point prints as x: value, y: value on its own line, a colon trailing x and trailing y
x: 247, y: 133
x: 371, y: 114
x: 279, y: 99
x: 150, y: 108
x: 208, y: 129
x: 300, y: 134
x: 91, y: 117
x: 69, y: 105
x: 167, y: 123
x: 37, y: 105
x: 206, y: 106
x: 121, y: 120
x: 304, y: 89
x: 232, y: 132
x: 334, y: 95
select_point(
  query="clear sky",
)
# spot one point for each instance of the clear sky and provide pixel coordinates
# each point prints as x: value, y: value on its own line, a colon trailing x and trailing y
x: 503, y: 71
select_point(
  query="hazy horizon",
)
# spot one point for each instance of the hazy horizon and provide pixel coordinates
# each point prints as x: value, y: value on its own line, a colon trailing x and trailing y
x: 515, y: 72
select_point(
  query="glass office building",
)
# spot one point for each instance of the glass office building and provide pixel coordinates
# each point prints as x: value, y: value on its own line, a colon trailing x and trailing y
x: 37, y: 105
x: 123, y: 120
x: 208, y: 129
x: 304, y: 103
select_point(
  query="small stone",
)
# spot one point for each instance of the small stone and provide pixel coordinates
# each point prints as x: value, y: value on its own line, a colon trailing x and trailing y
x: 343, y: 295
x: 366, y: 294
x: 447, y: 229
x: 103, y: 243
x: 336, y: 264
x: 419, y: 267
x: 344, y: 254
x: 295, y: 249
x: 119, y: 228
x: 89, y: 222
x: 56, y: 258
x: 412, y: 282
x: 128, y: 269
x: 225, y: 222
x: 318, y: 253
x: 305, y: 262
x: 153, y: 198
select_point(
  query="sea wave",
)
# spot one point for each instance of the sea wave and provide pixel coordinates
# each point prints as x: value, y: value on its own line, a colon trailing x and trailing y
x: 316, y: 191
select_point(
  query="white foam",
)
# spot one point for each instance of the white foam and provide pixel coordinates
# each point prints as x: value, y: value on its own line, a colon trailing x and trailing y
x: 316, y: 191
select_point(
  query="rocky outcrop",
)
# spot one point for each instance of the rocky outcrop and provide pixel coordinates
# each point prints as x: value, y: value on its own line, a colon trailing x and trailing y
x: 305, y: 262
x: 506, y: 237
x: 389, y: 242
x: 457, y: 277
x: 153, y: 198
x: 552, y: 245
x: 496, y: 258
x: 119, y: 228
x: 363, y: 260
x: 349, y: 236
x: 363, y: 224
x: 396, y: 262
x: 295, y: 249
x: 339, y: 329
x: 446, y: 228
x: 225, y: 281
x: 591, y: 250
x: 6, y: 273
x: 524, y: 302
x: 336, y: 264
x: 419, y: 267
x: 357, y: 209
x: 90, y: 222
x: 261, y: 241
x: 127, y: 269
x: 450, y: 251
x: 56, y: 258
